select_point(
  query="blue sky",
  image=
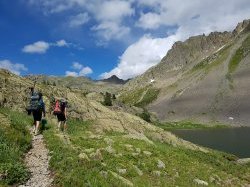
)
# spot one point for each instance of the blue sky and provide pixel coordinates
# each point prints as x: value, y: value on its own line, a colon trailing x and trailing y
x: 99, y: 38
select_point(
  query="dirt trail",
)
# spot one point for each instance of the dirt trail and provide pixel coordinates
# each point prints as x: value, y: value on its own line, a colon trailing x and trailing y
x: 37, y: 160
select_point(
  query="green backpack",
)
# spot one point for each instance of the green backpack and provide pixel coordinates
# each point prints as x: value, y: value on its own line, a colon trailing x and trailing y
x: 35, y: 103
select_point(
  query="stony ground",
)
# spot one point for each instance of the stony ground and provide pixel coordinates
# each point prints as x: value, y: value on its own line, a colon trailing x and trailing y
x: 37, y: 161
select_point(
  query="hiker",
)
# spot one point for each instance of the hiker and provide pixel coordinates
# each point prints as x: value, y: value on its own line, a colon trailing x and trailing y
x: 60, y: 111
x: 37, y: 108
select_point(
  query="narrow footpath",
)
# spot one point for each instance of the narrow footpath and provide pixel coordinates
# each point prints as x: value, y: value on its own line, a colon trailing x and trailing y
x: 37, y: 160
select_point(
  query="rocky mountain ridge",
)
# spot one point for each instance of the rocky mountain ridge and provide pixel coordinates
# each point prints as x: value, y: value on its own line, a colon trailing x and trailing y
x: 185, y: 55
x: 204, y: 78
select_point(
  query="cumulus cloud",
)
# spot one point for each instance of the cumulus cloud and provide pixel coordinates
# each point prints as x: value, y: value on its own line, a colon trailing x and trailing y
x: 77, y: 65
x: 71, y: 74
x: 61, y: 43
x: 15, y: 68
x: 140, y: 56
x: 109, y: 15
x: 41, y: 47
x: 149, y: 21
x: 85, y: 71
x: 114, y: 10
x: 37, y: 47
x: 79, y: 20
x: 81, y: 70
x: 111, y: 30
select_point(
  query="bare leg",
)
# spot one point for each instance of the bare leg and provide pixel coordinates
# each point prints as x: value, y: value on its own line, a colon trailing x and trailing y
x: 37, y: 127
x: 59, y: 125
x: 34, y: 127
x: 65, y: 126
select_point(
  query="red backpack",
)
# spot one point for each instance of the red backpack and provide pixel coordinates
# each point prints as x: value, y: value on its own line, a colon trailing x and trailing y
x: 57, y: 109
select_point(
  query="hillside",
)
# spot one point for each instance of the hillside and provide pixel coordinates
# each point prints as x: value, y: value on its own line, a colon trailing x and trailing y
x: 205, y: 78
x: 105, y: 145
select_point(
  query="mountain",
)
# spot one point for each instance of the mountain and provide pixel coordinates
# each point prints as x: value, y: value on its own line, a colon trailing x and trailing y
x: 83, y: 83
x: 114, y: 80
x: 205, y: 78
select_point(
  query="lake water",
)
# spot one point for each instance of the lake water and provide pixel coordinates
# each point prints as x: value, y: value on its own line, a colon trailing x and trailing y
x: 231, y: 140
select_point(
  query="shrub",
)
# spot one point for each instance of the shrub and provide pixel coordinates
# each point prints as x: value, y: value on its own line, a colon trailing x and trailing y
x: 145, y: 115
x: 107, y: 99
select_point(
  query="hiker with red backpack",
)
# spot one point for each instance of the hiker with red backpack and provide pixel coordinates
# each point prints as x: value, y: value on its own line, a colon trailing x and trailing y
x: 60, y: 110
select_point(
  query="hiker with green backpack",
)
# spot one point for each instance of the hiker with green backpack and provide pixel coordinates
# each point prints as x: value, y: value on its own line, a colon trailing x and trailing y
x: 37, y: 108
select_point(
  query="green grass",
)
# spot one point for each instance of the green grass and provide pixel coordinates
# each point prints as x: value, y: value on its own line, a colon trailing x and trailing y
x: 235, y: 61
x: 132, y: 97
x: 239, y: 55
x: 135, y: 97
x: 207, y: 64
x: 188, y: 125
x: 181, y: 165
x: 200, y: 65
x: 149, y: 97
x: 15, y: 140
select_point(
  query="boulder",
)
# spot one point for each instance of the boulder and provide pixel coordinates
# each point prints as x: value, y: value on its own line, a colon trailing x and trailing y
x: 160, y: 164
x: 200, y: 182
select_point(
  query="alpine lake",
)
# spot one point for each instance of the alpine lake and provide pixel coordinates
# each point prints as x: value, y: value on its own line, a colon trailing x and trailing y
x: 231, y: 140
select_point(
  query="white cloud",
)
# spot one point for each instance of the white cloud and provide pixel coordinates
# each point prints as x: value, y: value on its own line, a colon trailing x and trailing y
x: 149, y: 21
x: 81, y: 70
x: 79, y: 20
x: 140, y: 56
x: 77, y: 65
x: 111, y: 30
x: 61, y: 43
x: 13, y: 67
x: 85, y: 71
x: 178, y: 12
x: 108, y: 14
x: 41, y: 47
x: 71, y: 74
x: 114, y: 10
x: 37, y: 47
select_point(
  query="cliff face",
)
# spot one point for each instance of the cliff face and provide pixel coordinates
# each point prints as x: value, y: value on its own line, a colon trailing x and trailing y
x: 204, y: 78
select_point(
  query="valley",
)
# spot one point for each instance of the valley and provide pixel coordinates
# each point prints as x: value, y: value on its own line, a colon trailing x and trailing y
x: 140, y: 132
